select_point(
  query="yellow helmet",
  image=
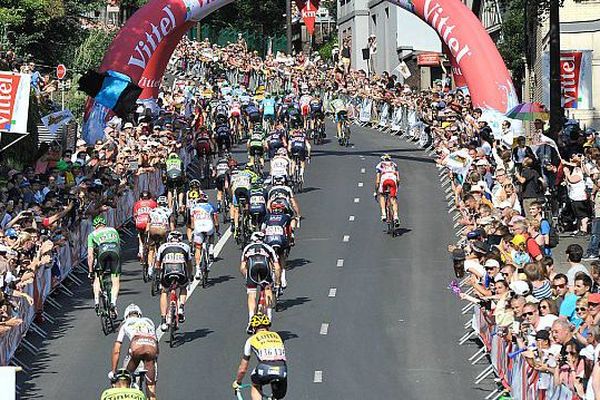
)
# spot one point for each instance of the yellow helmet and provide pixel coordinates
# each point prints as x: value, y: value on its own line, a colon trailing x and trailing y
x: 194, y: 195
x: 258, y: 320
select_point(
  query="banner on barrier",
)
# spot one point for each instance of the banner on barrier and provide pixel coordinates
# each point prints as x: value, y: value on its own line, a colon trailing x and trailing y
x: 14, y: 101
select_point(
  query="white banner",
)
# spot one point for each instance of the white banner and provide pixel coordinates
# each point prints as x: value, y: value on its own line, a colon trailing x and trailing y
x: 365, y: 110
x: 56, y: 120
x: 7, y: 383
x: 14, y: 101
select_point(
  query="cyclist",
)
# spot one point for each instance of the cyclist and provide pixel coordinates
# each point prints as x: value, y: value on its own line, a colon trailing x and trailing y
x: 141, y: 216
x: 269, y: 350
x: 253, y: 114
x: 304, y: 102
x: 235, y: 113
x: 281, y: 164
x: 281, y: 191
x: 240, y: 187
x: 298, y: 146
x: 121, y: 387
x: 222, y: 135
x: 205, y: 222
x: 221, y: 111
x: 143, y: 346
x: 174, y: 262
x: 268, y: 110
x: 104, y: 249
x: 278, y: 232
x: 204, y: 143
x: 221, y: 179
x: 276, y: 139
x: 157, y: 228
x: 317, y: 116
x: 259, y: 265
x: 175, y: 179
x: 191, y: 198
x: 387, y: 178
x: 256, y: 146
x: 340, y: 110
x: 258, y: 204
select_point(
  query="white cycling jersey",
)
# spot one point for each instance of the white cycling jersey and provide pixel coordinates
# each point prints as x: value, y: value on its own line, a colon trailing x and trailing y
x: 202, y: 213
x: 160, y: 217
x: 388, y: 170
x: 134, y: 326
x: 280, y: 166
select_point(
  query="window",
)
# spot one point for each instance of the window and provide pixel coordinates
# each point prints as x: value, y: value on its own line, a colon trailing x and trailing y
x: 374, y: 18
x: 387, y: 12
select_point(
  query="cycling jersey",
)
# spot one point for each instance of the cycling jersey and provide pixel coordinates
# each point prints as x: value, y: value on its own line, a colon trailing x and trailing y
x: 257, y: 202
x: 277, y: 229
x: 174, y: 168
x: 141, y: 212
x: 305, y: 104
x: 256, y: 141
x: 122, y: 394
x: 222, y: 168
x: 235, y: 109
x: 173, y: 258
x: 337, y: 105
x: 202, y: 215
x: 298, y: 144
x: 267, y: 346
x: 222, y: 131
x: 104, y: 239
x: 136, y: 327
x: 316, y: 106
x: 275, y: 140
x: 221, y: 109
x: 280, y: 166
x: 251, y: 109
x: 280, y: 192
x: 388, y: 177
x: 268, y: 106
x: 159, y: 217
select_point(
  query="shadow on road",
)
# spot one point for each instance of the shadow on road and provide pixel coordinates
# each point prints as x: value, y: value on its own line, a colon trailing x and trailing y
x: 287, y: 335
x: 289, y: 303
x: 219, y: 279
x: 295, y: 263
x: 187, y: 337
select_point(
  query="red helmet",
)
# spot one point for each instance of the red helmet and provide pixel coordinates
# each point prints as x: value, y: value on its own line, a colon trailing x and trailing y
x: 278, y: 207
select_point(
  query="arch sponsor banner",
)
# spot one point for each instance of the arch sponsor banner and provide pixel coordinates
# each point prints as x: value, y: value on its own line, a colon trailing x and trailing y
x: 575, y: 79
x: 472, y: 49
x: 14, y: 102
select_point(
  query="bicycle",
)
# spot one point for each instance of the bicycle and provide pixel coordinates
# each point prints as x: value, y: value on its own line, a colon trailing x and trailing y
x: 389, y: 214
x: 225, y: 206
x: 145, y: 276
x: 204, y: 263
x: 319, y: 132
x: 262, y: 305
x: 243, y: 232
x: 345, y: 139
x: 297, y: 178
x: 239, y: 396
x: 106, y: 321
x: 175, y: 207
x: 172, y: 318
x: 155, y: 284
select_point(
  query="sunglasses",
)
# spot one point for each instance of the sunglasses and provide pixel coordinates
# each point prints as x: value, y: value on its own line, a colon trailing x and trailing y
x: 528, y: 314
x: 543, y: 307
x: 561, y: 286
x: 578, y: 309
x: 593, y: 304
x: 573, y: 353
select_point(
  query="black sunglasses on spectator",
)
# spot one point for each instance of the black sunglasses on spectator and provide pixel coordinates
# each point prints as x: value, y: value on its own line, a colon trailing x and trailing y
x: 528, y: 314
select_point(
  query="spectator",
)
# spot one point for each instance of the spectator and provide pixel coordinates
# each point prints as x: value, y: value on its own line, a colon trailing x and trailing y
x: 574, y: 254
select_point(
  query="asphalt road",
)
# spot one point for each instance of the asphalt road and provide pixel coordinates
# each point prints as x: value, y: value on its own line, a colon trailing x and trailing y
x: 365, y: 315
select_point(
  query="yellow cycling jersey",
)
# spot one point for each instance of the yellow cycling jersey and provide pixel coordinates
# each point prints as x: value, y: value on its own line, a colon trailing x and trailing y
x: 266, y: 345
x: 122, y: 394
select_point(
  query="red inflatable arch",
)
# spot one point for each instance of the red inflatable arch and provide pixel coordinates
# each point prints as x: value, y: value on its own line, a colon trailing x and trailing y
x: 145, y: 43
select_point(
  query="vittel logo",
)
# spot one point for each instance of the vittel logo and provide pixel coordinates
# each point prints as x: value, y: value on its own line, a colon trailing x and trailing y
x: 144, y: 49
x: 148, y: 83
x: 434, y: 15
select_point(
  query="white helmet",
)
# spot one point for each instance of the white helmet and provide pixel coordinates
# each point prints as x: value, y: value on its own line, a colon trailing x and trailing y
x: 162, y: 200
x: 174, y: 236
x: 257, y: 237
x: 132, y: 309
x: 282, y: 151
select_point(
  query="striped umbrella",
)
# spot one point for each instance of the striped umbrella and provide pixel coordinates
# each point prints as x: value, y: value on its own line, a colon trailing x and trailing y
x: 528, y: 112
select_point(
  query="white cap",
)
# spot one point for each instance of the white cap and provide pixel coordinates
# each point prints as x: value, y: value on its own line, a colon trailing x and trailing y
x: 519, y: 287
x: 492, y: 263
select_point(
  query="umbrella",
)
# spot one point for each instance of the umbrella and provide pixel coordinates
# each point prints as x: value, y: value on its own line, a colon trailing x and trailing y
x: 528, y: 112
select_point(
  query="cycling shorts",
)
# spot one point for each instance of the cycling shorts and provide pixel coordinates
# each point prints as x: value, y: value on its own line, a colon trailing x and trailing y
x: 300, y: 152
x: 204, y: 237
x: 273, y: 373
x: 305, y: 109
x: 174, y: 181
x: 173, y: 272
x: 220, y: 182
x: 235, y: 113
x: 341, y: 116
x: 109, y: 261
x: 157, y: 236
x: 259, y: 271
x: 269, y: 117
x: 389, y: 185
x: 239, y: 193
x: 254, y: 117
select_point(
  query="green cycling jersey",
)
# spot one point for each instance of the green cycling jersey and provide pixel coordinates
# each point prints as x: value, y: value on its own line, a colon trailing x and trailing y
x: 103, y: 236
x: 174, y: 164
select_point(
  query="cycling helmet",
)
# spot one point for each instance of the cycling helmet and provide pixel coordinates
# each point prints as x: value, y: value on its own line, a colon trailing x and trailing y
x: 259, y: 320
x: 122, y: 374
x: 145, y: 195
x: 132, y: 309
x: 99, y: 220
x: 162, y: 201
x: 277, y: 207
x: 221, y: 119
x: 386, y: 157
x: 257, y: 237
x: 195, y: 183
x: 174, y: 236
x: 203, y: 197
x: 279, y: 180
x: 282, y: 151
x: 194, y: 195
x: 173, y: 156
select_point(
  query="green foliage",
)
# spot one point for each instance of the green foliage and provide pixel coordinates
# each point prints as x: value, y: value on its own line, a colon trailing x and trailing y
x: 263, y: 17
x: 327, y: 47
x: 512, y: 45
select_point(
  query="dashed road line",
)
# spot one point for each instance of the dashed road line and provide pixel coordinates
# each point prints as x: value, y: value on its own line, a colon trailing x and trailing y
x: 351, y: 218
x: 340, y: 262
x: 360, y: 184
x: 324, y: 329
x: 332, y: 292
x: 357, y: 199
x: 362, y: 170
x: 318, y: 377
x: 346, y: 238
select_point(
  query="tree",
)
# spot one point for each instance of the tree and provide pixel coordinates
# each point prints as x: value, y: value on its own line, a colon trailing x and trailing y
x: 264, y: 17
x: 512, y: 44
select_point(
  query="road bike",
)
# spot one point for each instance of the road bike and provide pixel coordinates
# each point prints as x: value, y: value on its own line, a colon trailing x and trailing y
x: 242, y: 235
x: 263, y: 305
x: 204, y: 262
x: 318, y: 132
x: 239, y: 396
x: 106, y: 319
x: 144, y: 261
x: 389, y: 213
x: 297, y: 177
x: 205, y: 168
x: 172, y: 318
x: 344, y: 140
x: 226, y: 203
x: 175, y: 208
x: 155, y: 283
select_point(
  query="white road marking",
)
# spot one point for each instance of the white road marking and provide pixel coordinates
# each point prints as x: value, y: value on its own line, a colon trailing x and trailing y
x: 332, y: 292
x: 218, y: 247
x: 351, y: 218
x: 340, y: 262
x: 357, y: 199
x: 324, y: 329
x: 360, y: 184
x: 318, y: 378
x: 362, y: 170
x: 346, y: 238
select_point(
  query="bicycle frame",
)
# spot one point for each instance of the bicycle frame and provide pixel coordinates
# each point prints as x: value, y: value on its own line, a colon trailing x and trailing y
x: 172, y: 320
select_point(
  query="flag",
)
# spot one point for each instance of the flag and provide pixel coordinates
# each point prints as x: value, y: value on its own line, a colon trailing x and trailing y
x: 309, y: 14
x: 402, y: 68
x: 56, y: 120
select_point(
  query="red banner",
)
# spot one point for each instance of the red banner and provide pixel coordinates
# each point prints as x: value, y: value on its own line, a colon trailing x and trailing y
x: 14, y: 102
x: 428, y: 60
x: 570, y: 68
x: 309, y: 14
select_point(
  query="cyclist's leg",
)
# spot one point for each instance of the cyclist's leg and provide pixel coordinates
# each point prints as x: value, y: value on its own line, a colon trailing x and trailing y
x: 251, y: 296
x: 96, y: 287
x: 180, y: 194
x: 279, y: 388
x: 115, y: 277
x: 163, y: 303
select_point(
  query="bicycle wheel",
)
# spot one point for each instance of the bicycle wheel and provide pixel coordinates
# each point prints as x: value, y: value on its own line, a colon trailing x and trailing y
x: 155, y: 286
x: 145, y: 275
x: 173, y: 325
x: 389, y: 217
x: 347, y: 135
x: 204, y: 265
x: 104, y: 314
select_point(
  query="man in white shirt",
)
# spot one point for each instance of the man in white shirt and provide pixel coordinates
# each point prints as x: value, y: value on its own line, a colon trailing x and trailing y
x: 575, y: 254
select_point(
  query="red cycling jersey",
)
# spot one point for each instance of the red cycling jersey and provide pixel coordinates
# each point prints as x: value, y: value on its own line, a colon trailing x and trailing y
x: 141, y: 212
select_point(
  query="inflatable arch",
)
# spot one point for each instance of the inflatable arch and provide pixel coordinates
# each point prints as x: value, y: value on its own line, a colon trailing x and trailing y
x: 142, y: 48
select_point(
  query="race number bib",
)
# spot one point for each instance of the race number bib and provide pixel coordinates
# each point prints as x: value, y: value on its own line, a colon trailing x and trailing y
x: 274, y: 230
